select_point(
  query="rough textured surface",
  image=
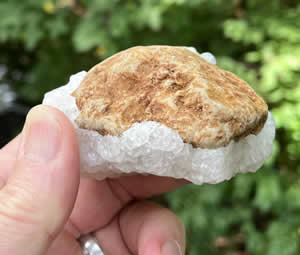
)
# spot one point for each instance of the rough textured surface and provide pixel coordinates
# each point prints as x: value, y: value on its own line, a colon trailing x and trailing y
x: 152, y: 148
x: 207, y: 106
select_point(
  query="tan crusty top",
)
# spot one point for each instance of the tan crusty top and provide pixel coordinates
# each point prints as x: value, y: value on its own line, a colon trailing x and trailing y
x: 206, y: 105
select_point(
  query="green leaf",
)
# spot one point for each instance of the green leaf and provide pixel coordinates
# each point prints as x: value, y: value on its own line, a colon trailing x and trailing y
x: 283, y: 237
x: 268, y: 192
x: 292, y: 196
x: 88, y: 35
x: 57, y: 27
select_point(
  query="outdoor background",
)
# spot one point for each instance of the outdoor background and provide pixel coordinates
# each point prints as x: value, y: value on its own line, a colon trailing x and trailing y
x: 43, y: 42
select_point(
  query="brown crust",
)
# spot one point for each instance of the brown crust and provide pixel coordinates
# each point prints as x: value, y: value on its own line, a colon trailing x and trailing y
x: 206, y: 105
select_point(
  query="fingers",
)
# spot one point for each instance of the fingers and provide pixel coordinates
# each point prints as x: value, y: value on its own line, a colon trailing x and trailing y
x: 7, y: 163
x: 40, y: 193
x: 151, y: 230
x: 143, y: 186
x: 143, y: 228
x: 12, y: 146
x: 2, y: 182
x: 107, y: 198
x: 111, y: 240
x: 97, y: 203
x: 8, y: 158
x: 65, y: 244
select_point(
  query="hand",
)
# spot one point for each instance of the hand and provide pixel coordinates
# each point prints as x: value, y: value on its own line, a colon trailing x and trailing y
x: 43, y: 209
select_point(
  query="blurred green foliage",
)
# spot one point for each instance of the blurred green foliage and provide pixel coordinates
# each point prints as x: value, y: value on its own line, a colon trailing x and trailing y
x: 43, y: 42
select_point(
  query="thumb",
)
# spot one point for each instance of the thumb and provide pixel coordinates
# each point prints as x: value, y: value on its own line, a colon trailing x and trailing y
x: 40, y: 194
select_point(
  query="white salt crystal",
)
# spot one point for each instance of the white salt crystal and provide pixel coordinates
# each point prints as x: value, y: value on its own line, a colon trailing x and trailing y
x: 152, y: 148
x: 206, y: 55
x: 209, y: 57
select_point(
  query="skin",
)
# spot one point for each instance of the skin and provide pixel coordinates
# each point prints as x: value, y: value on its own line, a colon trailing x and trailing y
x: 45, y: 205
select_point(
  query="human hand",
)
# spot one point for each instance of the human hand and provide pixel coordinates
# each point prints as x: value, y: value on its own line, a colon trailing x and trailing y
x: 44, y: 210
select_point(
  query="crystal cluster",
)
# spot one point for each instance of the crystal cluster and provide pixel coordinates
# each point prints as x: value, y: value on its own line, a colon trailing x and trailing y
x: 152, y: 148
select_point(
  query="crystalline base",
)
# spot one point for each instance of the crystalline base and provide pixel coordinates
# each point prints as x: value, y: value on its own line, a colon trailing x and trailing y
x: 152, y: 148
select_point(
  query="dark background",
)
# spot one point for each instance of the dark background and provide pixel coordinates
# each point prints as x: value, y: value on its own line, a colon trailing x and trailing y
x: 43, y: 42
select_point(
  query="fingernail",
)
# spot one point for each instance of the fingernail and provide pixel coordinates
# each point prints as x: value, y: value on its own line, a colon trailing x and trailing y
x: 171, y: 247
x: 42, y: 135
